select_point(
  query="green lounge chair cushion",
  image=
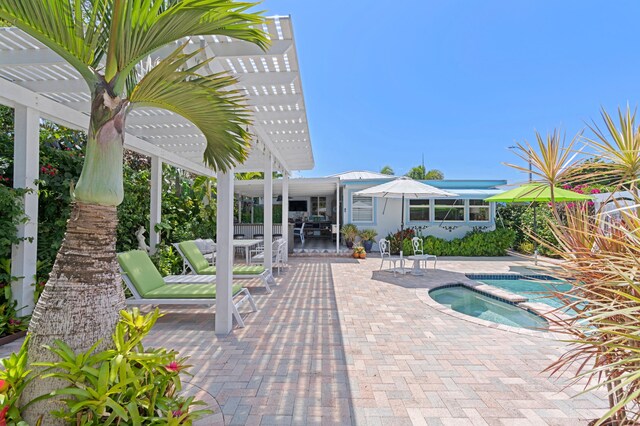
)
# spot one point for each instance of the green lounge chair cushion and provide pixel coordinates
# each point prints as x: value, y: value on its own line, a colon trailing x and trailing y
x: 141, y: 271
x: 194, y: 256
x: 237, y: 270
x: 188, y: 291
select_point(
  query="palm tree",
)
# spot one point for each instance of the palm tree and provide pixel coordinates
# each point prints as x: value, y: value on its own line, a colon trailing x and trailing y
x: 387, y: 170
x: 109, y: 42
x: 421, y: 173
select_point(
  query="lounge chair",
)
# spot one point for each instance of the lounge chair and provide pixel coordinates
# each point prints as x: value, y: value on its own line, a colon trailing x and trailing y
x: 194, y: 260
x: 385, y: 252
x: 149, y: 288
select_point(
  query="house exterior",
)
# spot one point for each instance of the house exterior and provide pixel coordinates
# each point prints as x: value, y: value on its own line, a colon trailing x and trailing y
x: 448, y: 218
x: 325, y: 204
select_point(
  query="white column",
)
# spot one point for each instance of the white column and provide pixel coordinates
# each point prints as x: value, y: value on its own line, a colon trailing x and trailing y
x: 155, y: 215
x: 285, y: 213
x: 239, y: 208
x: 338, y: 217
x: 26, y: 158
x: 268, y: 211
x: 224, y: 260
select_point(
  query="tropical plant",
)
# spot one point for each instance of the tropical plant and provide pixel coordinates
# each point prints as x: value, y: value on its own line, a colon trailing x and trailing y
x: 349, y: 231
x: 387, y: 170
x: 108, y: 42
x: 13, y: 379
x: 125, y: 385
x: 618, y: 148
x: 368, y: 234
x: 421, y: 173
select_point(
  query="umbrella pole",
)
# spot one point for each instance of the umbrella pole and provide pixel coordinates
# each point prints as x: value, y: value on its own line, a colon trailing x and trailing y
x: 402, y: 235
x: 535, y: 234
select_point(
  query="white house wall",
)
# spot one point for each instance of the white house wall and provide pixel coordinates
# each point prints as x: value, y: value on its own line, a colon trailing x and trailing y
x: 387, y: 212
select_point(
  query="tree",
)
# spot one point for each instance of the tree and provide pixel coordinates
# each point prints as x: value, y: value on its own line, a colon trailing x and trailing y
x: 421, y: 173
x: 387, y: 170
x: 108, y: 42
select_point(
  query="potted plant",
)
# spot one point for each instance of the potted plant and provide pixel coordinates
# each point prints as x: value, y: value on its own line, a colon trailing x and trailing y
x: 359, y: 252
x: 367, y: 236
x: 349, y: 233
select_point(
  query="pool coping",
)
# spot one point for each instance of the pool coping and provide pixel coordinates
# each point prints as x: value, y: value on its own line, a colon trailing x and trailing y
x: 504, y: 296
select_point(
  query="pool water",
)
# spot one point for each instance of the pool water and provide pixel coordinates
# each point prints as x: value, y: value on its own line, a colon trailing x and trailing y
x: 534, y: 290
x: 469, y: 302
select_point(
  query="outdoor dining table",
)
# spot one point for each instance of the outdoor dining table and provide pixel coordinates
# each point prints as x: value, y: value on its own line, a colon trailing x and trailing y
x: 246, y: 244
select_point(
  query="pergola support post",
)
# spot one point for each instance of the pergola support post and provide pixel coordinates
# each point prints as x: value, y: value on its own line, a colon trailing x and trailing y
x: 155, y: 216
x: 338, y: 217
x: 224, y: 260
x: 285, y: 213
x: 26, y: 159
x: 268, y: 212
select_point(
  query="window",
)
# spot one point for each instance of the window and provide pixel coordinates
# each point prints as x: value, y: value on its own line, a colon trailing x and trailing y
x: 449, y: 210
x: 318, y: 206
x: 479, y: 211
x: 361, y: 209
x: 419, y: 210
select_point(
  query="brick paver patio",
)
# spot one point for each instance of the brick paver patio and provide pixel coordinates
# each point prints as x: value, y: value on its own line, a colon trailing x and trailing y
x: 337, y: 343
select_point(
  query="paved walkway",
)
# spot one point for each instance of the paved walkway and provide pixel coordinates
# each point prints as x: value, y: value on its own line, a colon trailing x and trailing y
x: 338, y: 343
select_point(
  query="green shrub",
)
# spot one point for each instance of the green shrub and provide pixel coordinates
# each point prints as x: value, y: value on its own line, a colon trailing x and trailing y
x: 167, y: 260
x: 475, y: 243
x: 125, y: 385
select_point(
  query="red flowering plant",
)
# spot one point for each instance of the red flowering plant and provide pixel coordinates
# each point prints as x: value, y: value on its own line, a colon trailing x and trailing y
x: 398, y: 239
x: 125, y: 385
x: 14, y: 376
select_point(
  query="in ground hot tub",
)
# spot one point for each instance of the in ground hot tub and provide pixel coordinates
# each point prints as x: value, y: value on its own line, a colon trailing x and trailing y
x: 470, y: 302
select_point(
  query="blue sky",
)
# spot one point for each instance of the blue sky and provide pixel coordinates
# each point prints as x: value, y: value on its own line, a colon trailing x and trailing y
x: 458, y: 81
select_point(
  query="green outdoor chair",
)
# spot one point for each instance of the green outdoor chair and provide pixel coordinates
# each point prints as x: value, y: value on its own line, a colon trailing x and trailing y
x: 149, y: 288
x: 195, y: 261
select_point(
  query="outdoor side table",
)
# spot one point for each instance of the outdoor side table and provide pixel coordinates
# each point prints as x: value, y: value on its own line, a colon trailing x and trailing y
x: 417, y: 260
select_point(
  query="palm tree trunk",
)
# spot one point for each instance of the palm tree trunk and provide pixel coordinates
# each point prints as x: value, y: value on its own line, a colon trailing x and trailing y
x: 81, y: 302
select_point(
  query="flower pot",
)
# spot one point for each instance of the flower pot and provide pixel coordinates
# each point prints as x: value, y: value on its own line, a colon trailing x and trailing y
x: 363, y: 255
x: 368, y: 244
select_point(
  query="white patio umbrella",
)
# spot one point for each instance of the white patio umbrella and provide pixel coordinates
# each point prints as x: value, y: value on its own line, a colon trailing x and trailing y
x: 404, y: 188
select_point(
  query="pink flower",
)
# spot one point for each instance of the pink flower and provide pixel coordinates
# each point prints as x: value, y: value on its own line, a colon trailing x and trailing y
x: 566, y: 186
x: 14, y: 321
x: 571, y: 205
x: 591, y: 203
x: 177, y: 413
x: 595, y: 191
x: 3, y: 415
x: 579, y: 191
x: 4, y: 386
x: 173, y: 367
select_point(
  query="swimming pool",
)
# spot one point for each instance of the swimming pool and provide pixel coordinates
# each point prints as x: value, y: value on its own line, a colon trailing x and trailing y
x: 469, y: 302
x: 534, y: 290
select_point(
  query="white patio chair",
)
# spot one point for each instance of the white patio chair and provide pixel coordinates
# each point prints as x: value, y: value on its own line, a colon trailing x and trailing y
x: 385, y: 253
x: 277, y: 256
x: 419, y: 254
x: 299, y: 232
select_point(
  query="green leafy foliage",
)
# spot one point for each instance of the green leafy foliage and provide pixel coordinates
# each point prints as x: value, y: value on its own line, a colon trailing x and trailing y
x: 519, y: 218
x: 475, y: 243
x: 13, y: 378
x: 124, y: 385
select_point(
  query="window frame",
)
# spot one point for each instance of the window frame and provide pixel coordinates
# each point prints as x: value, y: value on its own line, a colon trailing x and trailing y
x: 372, y: 209
x: 428, y: 207
x: 487, y: 207
x: 463, y: 206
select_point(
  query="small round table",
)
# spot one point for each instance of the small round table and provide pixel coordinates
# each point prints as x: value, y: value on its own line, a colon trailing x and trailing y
x: 417, y: 259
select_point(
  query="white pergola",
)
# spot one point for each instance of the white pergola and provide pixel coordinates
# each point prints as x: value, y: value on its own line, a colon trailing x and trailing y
x: 38, y: 84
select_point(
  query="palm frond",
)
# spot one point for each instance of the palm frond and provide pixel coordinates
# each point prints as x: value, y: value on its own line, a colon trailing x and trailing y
x: 74, y: 29
x: 142, y: 29
x: 219, y: 112
x: 619, y: 146
x: 550, y: 157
